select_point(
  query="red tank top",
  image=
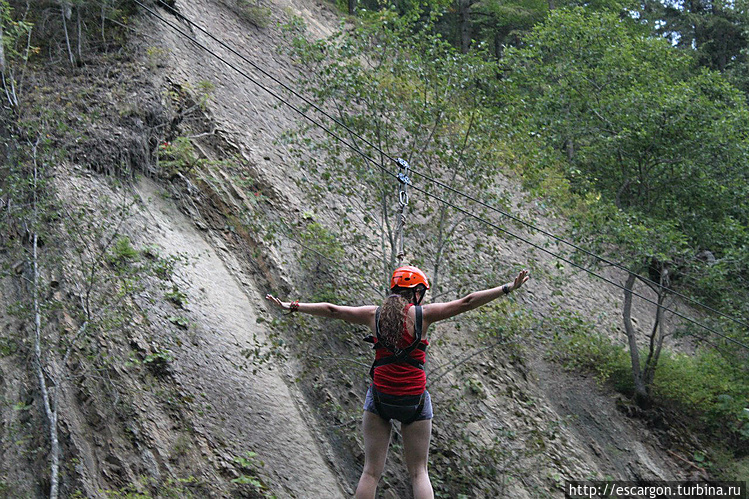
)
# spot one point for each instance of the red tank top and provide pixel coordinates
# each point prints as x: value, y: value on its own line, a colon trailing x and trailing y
x: 401, y: 378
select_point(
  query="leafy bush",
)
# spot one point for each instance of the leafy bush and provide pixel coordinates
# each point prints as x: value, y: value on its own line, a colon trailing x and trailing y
x: 122, y: 252
x: 254, y: 14
x: 577, y: 346
x: 249, y: 466
x: 705, y: 385
x: 709, y: 386
x: 178, y: 157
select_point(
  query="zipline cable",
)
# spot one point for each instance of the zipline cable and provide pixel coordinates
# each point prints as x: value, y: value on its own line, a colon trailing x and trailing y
x: 271, y: 92
x: 428, y: 177
x: 595, y: 274
x: 452, y: 205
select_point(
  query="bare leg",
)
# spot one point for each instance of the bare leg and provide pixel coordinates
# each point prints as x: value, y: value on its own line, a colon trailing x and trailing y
x: 376, y: 443
x: 416, y: 438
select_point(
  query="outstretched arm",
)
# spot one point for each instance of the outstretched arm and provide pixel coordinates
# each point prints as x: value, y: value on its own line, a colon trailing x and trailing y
x: 355, y: 315
x: 434, y: 312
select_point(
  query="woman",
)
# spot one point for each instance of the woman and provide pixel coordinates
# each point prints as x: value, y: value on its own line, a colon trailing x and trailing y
x: 398, y: 390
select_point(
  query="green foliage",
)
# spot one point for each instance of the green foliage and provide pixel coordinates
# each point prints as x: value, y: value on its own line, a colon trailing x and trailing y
x: 254, y: 14
x: 87, y: 27
x: 628, y: 110
x: 502, y: 23
x: 159, y: 362
x: 14, y: 34
x: 649, y: 143
x: 122, y: 252
x: 249, y: 465
x: 178, y: 157
x: 712, y: 386
x: 16, y: 49
x: 8, y: 346
x: 715, y: 32
x: 577, y: 345
x: 409, y: 93
x: 174, y: 295
x: 148, y: 488
x: 179, y: 321
x: 708, y: 385
x: 503, y: 319
x: 156, y: 57
x: 637, y: 237
x: 320, y: 258
x: 162, y: 266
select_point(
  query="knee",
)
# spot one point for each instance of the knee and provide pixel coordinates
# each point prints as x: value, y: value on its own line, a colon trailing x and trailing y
x: 418, y: 472
x: 371, y: 474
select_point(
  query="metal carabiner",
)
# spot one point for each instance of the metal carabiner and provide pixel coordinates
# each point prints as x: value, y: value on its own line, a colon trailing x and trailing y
x: 403, y: 197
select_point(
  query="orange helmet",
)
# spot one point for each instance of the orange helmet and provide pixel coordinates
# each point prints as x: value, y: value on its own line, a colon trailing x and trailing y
x: 408, y: 277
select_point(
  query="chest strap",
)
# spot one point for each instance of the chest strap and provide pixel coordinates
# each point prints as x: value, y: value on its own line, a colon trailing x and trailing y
x: 404, y: 356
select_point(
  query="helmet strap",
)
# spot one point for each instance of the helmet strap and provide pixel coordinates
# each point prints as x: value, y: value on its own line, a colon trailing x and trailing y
x: 416, y: 299
x: 411, y: 294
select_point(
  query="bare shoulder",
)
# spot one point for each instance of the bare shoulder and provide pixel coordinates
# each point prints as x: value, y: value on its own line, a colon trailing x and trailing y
x: 366, y: 314
x: 434, y: 312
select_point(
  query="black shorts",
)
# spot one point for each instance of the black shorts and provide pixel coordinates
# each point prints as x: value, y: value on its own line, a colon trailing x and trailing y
x: 400, y: 407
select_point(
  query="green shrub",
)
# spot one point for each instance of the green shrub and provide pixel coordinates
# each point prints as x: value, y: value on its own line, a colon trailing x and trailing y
x: 709, y: 386
x: 578, y: 346
x: 704, y: 385
x: 249, y: 467
x: 178, y: 157
x: 122, y: 252
x: 322, y: 255
x: 254, y: 14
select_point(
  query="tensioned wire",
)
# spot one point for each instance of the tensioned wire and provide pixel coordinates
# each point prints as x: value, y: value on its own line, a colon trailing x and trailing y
x: 424, y: 175
x: 446, y: 186
x: 452, y: 205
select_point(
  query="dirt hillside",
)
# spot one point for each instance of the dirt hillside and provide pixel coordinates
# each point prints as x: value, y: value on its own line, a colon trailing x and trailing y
x: 507, y: 422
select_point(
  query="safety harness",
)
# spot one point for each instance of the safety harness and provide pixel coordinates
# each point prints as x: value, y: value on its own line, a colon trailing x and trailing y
x: 404, y: 356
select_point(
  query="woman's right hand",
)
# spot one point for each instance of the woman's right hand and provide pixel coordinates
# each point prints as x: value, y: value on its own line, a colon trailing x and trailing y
x: 277, y: 302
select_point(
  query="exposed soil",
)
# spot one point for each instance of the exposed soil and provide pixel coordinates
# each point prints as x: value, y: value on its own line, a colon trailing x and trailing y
x: 507, y: 423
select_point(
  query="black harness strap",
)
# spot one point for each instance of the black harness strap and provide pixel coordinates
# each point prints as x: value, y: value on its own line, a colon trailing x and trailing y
x: 404, y: 356
x: 418, y: 410
x: 416, y: 413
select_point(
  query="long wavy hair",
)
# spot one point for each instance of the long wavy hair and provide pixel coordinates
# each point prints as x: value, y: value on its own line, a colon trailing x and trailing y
x: 393, y: 317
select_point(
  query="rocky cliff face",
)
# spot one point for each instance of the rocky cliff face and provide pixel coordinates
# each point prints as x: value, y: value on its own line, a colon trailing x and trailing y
x: 172, y: 400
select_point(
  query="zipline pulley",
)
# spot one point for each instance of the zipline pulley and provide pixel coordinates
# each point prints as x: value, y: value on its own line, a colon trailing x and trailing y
x: 405, y: 181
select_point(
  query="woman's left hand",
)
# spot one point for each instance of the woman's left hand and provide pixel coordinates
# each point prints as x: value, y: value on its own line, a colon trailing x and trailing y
x: 520, y: 279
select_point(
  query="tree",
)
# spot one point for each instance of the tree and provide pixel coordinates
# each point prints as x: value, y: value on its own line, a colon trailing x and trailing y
x: 503, y: 23
x: 713, y: 29
x: 78, y: 277
x: 399, y: 92
x: 13, y: 35
x: 664, y: 142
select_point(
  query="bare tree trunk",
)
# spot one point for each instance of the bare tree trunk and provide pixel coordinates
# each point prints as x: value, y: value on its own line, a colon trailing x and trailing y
x: 641, y: 393
x: 656, y: 336
x: 50, y: 406
x: 103, y: 18
x: 78, y: 23
x: 2, y: 51
x: 66, y: 11
x: 464, y: 25
x: 2, y: 65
